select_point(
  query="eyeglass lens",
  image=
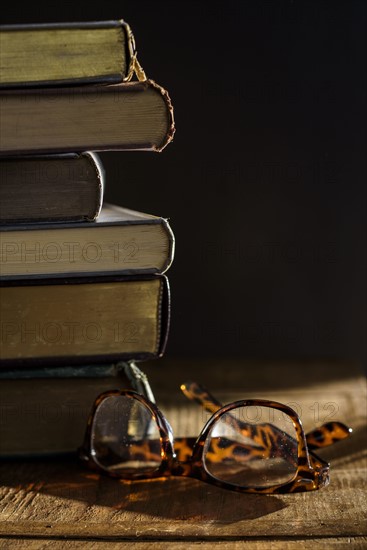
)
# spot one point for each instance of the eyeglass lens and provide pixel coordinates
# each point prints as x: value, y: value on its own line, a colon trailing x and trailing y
x: 252, y: 446
x: 124, y: 436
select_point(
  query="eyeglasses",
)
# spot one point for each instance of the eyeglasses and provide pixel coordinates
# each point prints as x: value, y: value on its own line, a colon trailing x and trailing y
x: 253, y: 445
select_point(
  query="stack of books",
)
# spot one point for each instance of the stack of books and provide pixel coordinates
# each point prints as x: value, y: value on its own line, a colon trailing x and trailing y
x: 83, y: 289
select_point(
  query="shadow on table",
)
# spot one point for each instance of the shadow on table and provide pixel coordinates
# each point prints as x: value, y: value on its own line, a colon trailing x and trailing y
x: 173, y: 498
x: 180, y: 499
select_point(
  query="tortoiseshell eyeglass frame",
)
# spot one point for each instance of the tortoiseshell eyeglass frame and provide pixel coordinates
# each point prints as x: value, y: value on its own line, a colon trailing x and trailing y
x: 184, y: 456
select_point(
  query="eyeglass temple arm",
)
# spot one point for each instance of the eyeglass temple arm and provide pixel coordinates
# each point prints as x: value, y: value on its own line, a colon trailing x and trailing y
x: 325, y: 435
x: 137, y: 378
x: 204, y: 398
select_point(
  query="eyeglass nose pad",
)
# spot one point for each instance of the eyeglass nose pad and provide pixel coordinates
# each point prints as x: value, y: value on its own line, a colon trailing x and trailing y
x: 169, y: 431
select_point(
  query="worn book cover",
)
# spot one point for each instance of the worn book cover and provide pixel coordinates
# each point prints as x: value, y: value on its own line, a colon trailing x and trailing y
x: 51, y: 188
x: 129, y: 116
x: 45, y: 410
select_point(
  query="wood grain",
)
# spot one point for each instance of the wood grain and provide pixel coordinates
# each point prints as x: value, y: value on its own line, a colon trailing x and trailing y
x: 52, y: 544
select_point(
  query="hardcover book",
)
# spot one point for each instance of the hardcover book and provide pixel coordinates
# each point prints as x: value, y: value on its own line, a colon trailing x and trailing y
x: 66, y: 53
x: 129, y: 116
x: 51, y: 188
x: 120, y: 241
x: 45, y: 410
x: 81, y: 321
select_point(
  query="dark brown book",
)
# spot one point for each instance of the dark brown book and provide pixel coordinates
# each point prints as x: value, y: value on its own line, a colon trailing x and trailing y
x: 44, y: 411
x: 129, y: 116
x: 83, y: 321
x: 51, y: 188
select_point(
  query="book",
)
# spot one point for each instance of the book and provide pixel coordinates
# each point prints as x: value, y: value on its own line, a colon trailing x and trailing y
x: 51, y: 188
x: 128, y: 116
x: 66, y: 53
x: 120, y: 241
x: 86, y: 320
x: 44, y: 411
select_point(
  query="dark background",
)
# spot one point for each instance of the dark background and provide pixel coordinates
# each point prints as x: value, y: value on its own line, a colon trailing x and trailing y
x: 265, y: 182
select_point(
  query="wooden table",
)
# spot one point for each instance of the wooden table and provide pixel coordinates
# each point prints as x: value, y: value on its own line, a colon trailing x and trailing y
x: 56, y: 504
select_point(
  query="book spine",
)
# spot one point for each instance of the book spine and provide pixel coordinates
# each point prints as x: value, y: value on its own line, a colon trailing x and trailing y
x: 134, y: 67
x: 97, y: 166
x: 171, y: 124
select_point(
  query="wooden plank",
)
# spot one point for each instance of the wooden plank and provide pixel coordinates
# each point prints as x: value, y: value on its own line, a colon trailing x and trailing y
x: 52, y: 544
x: 62, y: 500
